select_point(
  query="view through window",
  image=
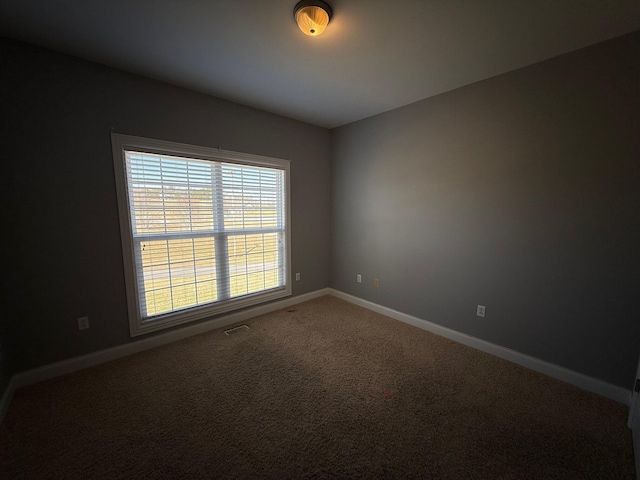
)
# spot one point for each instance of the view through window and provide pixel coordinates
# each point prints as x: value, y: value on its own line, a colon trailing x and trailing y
x: 203, y: 232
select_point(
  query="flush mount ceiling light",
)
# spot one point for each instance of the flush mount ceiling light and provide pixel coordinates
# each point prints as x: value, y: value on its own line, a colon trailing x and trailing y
x: 312, y: 16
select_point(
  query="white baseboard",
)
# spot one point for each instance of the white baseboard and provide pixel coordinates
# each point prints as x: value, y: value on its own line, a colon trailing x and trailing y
x: 580, y: 380
x: 64, y: 367
x: 77, y: 363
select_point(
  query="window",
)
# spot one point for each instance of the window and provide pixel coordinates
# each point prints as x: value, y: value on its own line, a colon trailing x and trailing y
x: 204, y: 231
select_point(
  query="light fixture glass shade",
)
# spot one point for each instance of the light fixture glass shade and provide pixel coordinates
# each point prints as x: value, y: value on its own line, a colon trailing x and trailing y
x: 312, y: 20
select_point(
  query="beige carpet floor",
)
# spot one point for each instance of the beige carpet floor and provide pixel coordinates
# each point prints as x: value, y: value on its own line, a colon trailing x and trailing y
x: 324, y: 389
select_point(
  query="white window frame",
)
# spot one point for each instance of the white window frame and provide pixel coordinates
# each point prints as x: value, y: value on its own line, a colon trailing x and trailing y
x: 139, y: 326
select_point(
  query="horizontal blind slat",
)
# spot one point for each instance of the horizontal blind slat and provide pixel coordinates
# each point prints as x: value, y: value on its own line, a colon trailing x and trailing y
x: 173, y: 204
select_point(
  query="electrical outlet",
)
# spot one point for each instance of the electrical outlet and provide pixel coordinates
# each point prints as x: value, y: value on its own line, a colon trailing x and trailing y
x: 376, y: 283
x: 359, y: 278
x: 480, y: 310
x: 298, y: 277
x: 83, y: 323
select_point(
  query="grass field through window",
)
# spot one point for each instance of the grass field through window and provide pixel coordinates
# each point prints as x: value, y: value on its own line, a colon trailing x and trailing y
x: 183, y: 273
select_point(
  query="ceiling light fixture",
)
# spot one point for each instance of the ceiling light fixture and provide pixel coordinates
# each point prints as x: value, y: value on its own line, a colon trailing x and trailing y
x: 312, y: 16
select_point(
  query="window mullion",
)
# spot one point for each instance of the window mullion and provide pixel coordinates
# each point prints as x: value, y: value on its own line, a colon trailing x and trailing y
x: 221, y: 241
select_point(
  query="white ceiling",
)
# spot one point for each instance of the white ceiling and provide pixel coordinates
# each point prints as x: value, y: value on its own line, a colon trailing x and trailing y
x: 374, y: 56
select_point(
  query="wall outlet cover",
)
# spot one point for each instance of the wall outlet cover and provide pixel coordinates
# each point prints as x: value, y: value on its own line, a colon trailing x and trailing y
x: 83, y: 323
x: 481, y: 310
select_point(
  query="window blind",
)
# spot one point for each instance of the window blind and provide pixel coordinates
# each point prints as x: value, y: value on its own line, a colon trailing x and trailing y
x: 203, y: 231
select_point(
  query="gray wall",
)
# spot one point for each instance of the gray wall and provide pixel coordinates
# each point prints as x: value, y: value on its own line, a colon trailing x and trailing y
x: 5, y: 373
x: 520, y: 193
x: 57, y: 114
